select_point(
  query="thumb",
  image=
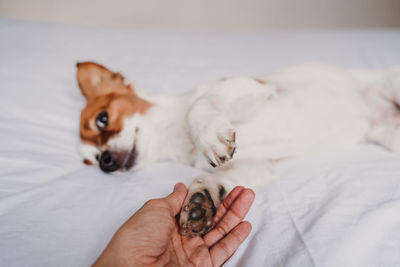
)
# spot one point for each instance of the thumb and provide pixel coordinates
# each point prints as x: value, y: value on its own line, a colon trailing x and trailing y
x: 176, y: 198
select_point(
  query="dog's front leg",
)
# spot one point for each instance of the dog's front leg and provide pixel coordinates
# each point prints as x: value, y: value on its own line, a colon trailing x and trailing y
x: 211, y: 131
x: 218, y: 106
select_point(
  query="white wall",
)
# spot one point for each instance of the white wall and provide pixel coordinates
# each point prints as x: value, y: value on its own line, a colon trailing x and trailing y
x: 210, y: 14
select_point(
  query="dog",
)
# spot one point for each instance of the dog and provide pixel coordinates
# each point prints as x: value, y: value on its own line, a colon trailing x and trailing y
x: 237, y: 128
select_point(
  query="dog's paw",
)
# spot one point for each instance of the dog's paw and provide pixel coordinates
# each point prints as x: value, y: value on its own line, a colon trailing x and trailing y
x: 219, y: 144
x: 200, y: 206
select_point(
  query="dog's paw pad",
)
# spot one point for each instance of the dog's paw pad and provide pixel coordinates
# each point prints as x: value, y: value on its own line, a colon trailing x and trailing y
x: 197, y: 215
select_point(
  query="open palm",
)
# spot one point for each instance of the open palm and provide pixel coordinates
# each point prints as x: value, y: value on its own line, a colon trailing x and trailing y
x: 151, y: 236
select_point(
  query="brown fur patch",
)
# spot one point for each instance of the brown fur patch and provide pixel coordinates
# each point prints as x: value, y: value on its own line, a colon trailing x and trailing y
x: 118, y: 107
x: 87, y: 162
x: 95, y: 79
x: 105, y: 91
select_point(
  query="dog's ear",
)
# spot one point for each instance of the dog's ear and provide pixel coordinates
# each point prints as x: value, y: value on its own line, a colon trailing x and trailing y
x: 95, y: 79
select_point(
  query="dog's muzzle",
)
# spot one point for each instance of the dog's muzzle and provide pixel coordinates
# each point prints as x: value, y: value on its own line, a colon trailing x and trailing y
x: 107, y: 162
x: 121, y: 160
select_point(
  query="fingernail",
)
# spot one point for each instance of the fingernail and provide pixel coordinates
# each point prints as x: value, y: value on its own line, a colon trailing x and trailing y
x: 176, y: 186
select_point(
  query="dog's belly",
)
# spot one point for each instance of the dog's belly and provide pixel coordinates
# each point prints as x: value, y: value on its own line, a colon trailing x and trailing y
x: 306, y: 120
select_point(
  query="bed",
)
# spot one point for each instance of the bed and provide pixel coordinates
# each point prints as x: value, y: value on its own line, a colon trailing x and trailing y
x: 334, y: 209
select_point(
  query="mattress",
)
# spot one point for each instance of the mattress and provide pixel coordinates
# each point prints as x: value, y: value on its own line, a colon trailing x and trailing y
x: 334, y: 209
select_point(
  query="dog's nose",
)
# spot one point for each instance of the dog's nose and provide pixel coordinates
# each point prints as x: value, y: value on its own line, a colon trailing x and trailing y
x: 107, y: 164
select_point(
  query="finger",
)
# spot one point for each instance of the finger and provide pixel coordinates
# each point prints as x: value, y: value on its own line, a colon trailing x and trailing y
x: 233, y: 216
x: 176, y: 198
x: 225, y: 248
x: 230, y: 198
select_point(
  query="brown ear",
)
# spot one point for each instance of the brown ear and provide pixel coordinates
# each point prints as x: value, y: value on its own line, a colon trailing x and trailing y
x: 95, y: 79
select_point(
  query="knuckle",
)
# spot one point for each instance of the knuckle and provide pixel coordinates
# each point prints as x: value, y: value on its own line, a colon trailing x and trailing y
x: 237, y: 236
x: 222, y: 228
x: 225, y: 248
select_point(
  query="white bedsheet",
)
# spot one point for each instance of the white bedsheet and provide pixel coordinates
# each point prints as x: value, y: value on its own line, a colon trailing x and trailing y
x: 340, y: 209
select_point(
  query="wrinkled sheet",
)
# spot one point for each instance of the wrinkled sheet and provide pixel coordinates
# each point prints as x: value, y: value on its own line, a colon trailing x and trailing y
x: 336, y: 209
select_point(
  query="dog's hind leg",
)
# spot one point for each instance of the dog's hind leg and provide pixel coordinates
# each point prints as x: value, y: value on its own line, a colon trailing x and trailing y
x: 207, y: 192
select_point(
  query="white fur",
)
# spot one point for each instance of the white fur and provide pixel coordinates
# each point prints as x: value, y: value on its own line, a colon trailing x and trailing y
x: 126, y: 137
x: 90, y: 152
x: 300, y: 110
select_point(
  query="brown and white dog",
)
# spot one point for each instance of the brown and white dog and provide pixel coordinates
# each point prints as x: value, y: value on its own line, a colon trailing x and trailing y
x: 237, y: 127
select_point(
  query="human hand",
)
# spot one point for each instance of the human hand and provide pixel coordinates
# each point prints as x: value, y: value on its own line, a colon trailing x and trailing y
x: 151, y: 236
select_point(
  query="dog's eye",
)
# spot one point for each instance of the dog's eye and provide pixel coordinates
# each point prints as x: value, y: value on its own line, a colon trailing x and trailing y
x: 102, y: 120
